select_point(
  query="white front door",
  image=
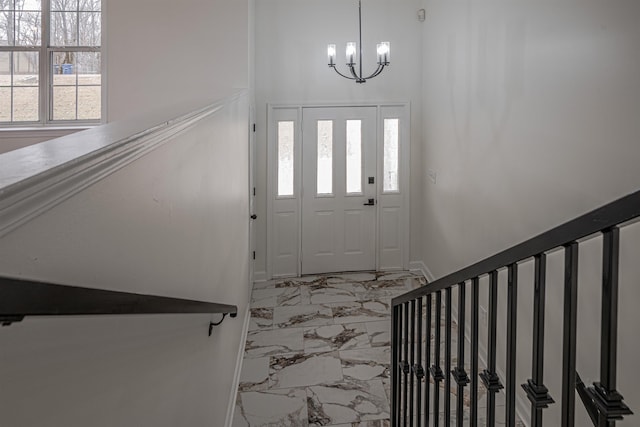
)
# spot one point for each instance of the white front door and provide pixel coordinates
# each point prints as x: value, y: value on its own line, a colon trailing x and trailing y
x: 338, y: 189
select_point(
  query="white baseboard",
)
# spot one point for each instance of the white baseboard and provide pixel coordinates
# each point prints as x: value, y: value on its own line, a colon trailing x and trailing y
x: 236, y: 377
x: 422, y: 267
x: 259, y: 276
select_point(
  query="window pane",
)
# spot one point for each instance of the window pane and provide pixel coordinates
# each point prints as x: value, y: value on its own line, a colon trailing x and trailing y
x: 64, y: 31
x: 325, y: 157
x: 25, y: 69
x: 28, y: 5
x: 390, y: 169
x: 27, y: 30
x: 5, y: 70
x: 90, y: 5
x: 63, y: 68
x: 89, y: 27
x: 285, y: 158
x: 68, y: 5
x: 64, y: 103
x: 89, y: 105
x: 25, y: 104
x: 6, y: 28
x: 354, y: 156
x: 88, y: 68
x: 5, y: 104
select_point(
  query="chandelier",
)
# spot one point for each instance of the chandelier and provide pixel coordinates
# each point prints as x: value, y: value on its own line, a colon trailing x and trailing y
x: 384, y: 54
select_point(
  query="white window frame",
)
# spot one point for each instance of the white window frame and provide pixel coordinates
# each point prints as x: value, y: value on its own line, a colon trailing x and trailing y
x: 45, y: 99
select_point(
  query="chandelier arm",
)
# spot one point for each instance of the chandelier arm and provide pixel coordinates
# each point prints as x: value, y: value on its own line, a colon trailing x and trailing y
x: 353, y: 73
x: 346, y: 77
x: 375, y: 73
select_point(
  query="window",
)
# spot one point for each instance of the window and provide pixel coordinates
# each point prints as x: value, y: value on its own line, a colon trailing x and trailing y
x: 391, y: 156
x: 286, y: 152
x: 354, y: 156
x: 50, y: 62
x: 324, y: 182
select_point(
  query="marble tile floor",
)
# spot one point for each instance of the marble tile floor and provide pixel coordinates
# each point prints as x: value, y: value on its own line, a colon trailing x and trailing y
x: 317, y: 352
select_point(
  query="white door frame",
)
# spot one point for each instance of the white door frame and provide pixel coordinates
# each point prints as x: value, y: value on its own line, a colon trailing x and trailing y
x: 286, y: 211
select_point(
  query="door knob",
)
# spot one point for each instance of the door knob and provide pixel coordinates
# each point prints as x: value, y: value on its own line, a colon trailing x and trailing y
x: 254, y: 216
x: 370, y: 202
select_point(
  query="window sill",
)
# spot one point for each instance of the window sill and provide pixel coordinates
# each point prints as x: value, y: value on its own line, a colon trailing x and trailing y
x: 41, y: 131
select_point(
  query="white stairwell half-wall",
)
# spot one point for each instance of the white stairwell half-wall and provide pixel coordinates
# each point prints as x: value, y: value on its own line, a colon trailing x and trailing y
x: 121, y: 207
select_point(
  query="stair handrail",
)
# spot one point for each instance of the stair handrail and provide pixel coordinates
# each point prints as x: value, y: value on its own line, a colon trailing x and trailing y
x: 615, y: 213
x: 603, y: 402
x: 21, y: 298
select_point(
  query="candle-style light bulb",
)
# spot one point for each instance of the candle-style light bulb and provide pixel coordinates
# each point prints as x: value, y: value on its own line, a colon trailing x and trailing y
x: 351, y: 53
x: 384, y: 53
x: 331, y: 54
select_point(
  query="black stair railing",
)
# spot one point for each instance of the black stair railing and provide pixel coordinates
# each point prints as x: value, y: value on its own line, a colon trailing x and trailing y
x: 417, y: 377
x: 21, y: 298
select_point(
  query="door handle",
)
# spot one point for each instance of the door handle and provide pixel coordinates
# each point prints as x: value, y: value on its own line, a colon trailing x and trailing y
x: 254, y: 216
x: 370, y: 202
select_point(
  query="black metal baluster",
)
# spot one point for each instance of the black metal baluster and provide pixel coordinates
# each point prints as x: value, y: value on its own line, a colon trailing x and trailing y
x: 436, y: 371
x: 395, y: 364
x: 569, y: 334
x: 512, y: 328
x: 405, y: 363
x: 427, y: 362
x: 459, y: 374
x: 412, y: 361
x: 489, y: 376
x: 473, y: 410
x: 537, y: 393
x: 447, y: 359
x: 417, y: 368
x: 604, y: 394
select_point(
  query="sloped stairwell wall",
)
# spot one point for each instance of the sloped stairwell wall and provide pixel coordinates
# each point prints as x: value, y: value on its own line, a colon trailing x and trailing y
x: 167, y: 216
x: 530, y: 118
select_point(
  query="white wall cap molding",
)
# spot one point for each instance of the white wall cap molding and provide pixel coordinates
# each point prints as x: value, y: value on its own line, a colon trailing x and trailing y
x: 36, y: 178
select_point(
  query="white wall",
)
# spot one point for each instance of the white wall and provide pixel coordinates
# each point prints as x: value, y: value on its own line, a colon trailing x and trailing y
x: 530, y: 118
x: 291, y: 67
x: 165, y: 53
x: 154, y: 226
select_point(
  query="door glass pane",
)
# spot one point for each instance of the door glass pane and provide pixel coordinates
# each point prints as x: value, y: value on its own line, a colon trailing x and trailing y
x: 390, y: 167
x: 325, y: 157
x: 354, y: 156
x: 285, y: 158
